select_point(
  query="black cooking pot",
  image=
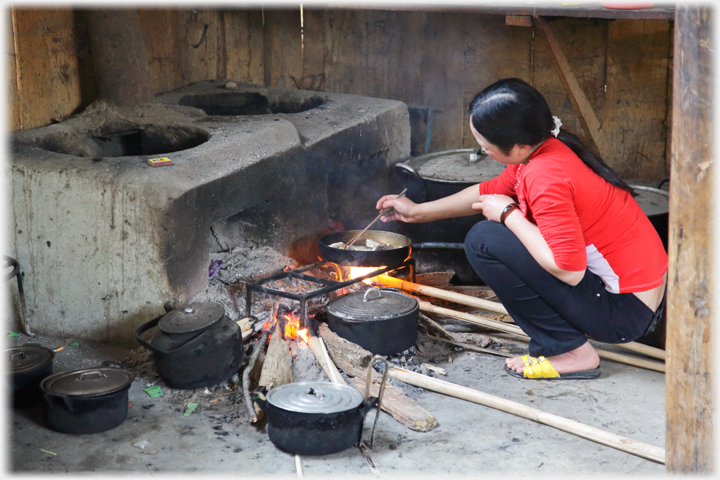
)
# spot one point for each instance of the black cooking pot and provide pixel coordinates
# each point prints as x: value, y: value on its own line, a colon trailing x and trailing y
x: 28, y: 365
x: 86, y: 401
x: 382, y: 321
x: 438, y: 175
x: 655, y: 204
x: 194, y: 346
x: 356, y: 258
x: 318, y: 418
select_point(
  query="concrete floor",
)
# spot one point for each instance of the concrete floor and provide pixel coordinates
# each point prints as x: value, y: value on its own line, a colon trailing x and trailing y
x: 469, y: 439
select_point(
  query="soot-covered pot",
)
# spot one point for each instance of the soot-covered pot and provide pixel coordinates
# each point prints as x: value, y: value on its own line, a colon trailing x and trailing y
x: 383, y: 321
x: 86, y: 401
x: 194, y: 346
x: 28, y: 365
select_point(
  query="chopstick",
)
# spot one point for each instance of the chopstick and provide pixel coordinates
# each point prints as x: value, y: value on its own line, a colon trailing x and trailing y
x: 386, y: 210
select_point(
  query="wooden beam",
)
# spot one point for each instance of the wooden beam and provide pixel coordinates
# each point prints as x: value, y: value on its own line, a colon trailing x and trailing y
x: 518, y: 20
x: 579, y: 101
x: 689, y: 395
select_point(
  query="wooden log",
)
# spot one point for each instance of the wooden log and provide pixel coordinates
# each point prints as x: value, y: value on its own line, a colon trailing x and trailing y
x: 491, y: 306
x: 624, y: 444
x: 246, y: 327
x: 515, y: 330
x: 276, y: 367
x: 354, y: 361
x: 432, y: 327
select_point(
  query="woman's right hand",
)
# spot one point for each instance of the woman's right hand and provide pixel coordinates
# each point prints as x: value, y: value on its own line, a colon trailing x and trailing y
x: 402, y: 209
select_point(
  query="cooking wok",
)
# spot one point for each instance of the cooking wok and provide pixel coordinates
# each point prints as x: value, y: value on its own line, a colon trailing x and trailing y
x: 356, y: 258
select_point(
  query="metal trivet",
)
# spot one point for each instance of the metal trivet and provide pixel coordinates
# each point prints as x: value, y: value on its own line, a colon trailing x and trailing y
x: 329, y: 285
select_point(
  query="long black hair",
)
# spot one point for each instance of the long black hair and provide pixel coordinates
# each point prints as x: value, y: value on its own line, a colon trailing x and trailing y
x: 511, y: 112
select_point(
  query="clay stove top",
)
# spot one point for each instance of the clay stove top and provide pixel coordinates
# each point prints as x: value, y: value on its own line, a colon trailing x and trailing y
x: 105, y: 240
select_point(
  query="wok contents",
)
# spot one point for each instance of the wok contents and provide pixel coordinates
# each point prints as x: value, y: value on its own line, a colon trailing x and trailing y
x: 370, y: 246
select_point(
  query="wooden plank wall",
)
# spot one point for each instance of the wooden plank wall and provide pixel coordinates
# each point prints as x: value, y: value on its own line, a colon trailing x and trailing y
x: 432, y: 59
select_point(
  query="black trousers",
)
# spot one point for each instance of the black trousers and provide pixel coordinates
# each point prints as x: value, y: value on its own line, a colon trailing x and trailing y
x: 556, y: 316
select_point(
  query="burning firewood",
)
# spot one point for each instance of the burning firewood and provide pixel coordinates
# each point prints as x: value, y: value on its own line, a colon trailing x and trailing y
x: 354, y: 360
x: 276, y: 368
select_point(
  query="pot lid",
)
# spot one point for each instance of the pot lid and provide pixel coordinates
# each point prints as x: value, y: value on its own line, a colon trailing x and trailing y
x: 89, y: 382
x: 456, y: 166
x: 653, y: 201
x: 372, y: 305
x: 314, y: 397
x: 191, y: 318
x: 27, y: 358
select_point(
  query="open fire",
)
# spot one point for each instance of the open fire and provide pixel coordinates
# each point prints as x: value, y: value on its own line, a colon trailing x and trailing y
x: 292, y: 328
x: 355, y: 272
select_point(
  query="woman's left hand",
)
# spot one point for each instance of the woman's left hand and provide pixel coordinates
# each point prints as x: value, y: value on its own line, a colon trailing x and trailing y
x: 491, y: 206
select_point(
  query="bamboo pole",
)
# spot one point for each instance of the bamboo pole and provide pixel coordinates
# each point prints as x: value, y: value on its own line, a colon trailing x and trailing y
x: 493, y: 307
x: 514, y: 329
x: 624, y: 444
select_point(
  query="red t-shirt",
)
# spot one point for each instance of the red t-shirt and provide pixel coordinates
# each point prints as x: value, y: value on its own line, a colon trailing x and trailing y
x: 587, y: 222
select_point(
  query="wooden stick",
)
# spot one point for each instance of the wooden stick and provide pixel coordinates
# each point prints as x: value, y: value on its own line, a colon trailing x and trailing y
x: 466, y: 346
x: 386, y: 210
x: 493, y: 307
x: 624, y: 444
x: 515, y: 330
x: 298, y: 466
x: 323, y: 358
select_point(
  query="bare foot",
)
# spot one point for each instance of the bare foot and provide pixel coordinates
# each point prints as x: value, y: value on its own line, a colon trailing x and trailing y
x: 582, y: 358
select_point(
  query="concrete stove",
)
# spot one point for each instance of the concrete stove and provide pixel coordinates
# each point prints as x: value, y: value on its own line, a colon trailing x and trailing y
x: 105, y: 240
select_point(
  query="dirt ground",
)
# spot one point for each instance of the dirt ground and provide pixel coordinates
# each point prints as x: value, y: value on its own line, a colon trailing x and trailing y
x: 160, y: 436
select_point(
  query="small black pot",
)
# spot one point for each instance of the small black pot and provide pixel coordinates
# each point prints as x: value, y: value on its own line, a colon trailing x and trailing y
x: 86, y: 401
x: 319, y: 418
x: 28, y: 364
x: 382, y: 321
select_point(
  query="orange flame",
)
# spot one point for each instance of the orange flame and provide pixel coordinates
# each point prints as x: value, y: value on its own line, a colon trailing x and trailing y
x: 291, y: 326
x: 356, y: 272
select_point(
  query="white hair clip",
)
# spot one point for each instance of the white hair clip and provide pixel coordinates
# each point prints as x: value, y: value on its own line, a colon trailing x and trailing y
x: 556, y: 131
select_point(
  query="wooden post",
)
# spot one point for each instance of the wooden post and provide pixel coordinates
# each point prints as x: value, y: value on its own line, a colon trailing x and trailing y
x: 689, y: 395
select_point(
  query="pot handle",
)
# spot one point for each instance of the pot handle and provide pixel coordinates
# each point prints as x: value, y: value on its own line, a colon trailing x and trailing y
x: 373, y: 289
x: 370, y: 401
x: 414, y: 182
x: 158, y: 351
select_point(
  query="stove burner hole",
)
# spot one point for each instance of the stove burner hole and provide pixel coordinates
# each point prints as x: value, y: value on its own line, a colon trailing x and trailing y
x: 248, y: 103
x: 147, y: 140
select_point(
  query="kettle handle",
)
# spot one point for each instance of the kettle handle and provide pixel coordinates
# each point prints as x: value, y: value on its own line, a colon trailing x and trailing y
x: 144, y: 328
x: 158, y: 351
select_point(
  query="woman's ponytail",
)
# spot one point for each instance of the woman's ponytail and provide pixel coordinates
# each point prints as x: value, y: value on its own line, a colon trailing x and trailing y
x: 595, y: 163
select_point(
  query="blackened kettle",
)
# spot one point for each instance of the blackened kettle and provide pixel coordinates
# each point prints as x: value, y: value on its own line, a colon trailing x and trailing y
x: 194, y: 346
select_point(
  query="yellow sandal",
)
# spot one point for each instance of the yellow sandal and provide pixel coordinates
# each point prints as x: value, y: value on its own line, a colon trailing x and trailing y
x: 540, y: 367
